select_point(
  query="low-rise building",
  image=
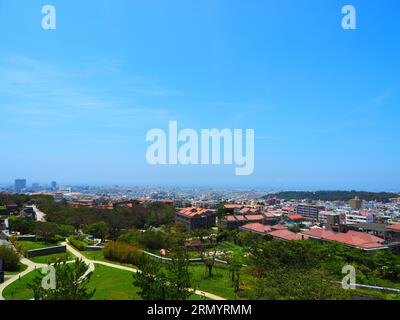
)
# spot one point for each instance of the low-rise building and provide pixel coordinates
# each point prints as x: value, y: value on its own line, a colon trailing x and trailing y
x: 359, y: 217
x: 195, y: 218
x: 309, y: 212
x: 234, y: 221
x: 278, y: 232
x: 355, y: 239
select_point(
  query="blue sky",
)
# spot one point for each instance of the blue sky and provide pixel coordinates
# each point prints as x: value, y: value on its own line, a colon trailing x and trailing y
x: 76, y: 103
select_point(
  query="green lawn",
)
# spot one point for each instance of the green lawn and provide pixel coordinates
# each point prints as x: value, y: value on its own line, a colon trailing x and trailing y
x: 51, y: 258
x: 220, y: 283
x: 93, y: 255
x: 30, y: 245
x: 110, y: 284
x: 113, y: 284
x: 19, y: 290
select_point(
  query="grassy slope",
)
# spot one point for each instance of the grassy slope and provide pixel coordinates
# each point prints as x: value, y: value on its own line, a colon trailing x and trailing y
x: 110, y: 284
x: 30, y: 245
x: 51, y: 258
x: 19, y: 290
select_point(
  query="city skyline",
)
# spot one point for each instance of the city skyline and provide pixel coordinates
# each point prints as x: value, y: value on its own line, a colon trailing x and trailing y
x: 77, y: 102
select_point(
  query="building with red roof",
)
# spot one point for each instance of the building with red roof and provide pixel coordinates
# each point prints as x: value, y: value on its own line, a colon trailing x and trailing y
x: 286, y: 235
x: 355, y: 239
x: 295, y: 217
x: 256, y: 228
x: 395, y: 227
x: 195, y: 218
x: 277, y: 232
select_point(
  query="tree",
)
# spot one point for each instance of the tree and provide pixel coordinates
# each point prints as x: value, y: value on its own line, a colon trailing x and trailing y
x: 70, y: 283
x: 98, y: 230
x: 157, y: 282
x: 234, y: 266
x: 296, y: 284
x: 9, y: 257
x: 46, y: 231
x: 178, y: 276
x: 151, y: 280
x: 208, y: 256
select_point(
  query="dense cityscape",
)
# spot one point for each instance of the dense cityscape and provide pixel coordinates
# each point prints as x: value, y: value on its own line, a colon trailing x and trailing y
x: 215, y: 228
x: 179, y: 159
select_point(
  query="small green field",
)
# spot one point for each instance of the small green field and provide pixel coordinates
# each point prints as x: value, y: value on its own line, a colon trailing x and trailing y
x: 51, y: 258
x: 110, y: 284
x: 219, y: 284
x: 113, y: 284
x: 93, y: 255
x: 30, y: 245
x: 19, y: 290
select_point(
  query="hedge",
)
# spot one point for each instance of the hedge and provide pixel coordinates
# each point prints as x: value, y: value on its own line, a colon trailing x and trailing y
x: 122, y: 252
x: 10, y: 258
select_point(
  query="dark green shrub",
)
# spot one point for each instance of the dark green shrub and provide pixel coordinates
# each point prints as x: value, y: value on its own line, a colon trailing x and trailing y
x: 122, y: 252
x: 10, y: 258
x: 77, y: 243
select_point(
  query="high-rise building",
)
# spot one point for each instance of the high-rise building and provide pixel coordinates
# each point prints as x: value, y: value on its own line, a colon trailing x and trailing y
x: 35, y: 187
x: 54, y: 185
x: 355, y: 203
x: 19, y: 185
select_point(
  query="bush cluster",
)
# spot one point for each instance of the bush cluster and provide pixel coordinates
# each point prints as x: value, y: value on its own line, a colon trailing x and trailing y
x: 122, y: 252
x: 77, y: 242
x: 10, y: 258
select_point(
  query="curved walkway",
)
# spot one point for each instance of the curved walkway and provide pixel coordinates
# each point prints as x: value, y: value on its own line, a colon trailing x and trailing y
x: 76, y: 253
x: 31, y: 267
x: 198, y: 292
x: 91, y: 267
x: 117, y: 266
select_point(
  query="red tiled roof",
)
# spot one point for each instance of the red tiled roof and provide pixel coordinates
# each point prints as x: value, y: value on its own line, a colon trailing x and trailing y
x: 255, y: 217
x: 287, y: 209
x: 295, y: 217
x: 285, y: 235
x: 257, y: 227
x: 230, y: 218
x: 193, y: 211
x: 241, y: 218
x: 269, y: 214
x: 279, y: 227
x: 395, y: 227
x: 352, y: 238
x: 233, y: 206
x: 366, y: 214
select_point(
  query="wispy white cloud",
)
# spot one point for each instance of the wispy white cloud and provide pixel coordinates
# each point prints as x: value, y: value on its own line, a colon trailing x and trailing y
x: 38, y: 93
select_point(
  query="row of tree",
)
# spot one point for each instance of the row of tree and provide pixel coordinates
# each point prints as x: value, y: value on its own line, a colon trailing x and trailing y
x: 334, y: 195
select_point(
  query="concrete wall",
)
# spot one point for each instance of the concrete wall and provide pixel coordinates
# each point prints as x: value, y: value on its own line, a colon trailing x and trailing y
x: 45, y: 251
x: 94, y: 248
x: 26, y: 237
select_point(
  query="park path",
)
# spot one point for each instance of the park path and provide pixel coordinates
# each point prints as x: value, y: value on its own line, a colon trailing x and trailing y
x: 198, y: 292
x: 40, y: 216
x: 30, y: 267
x: 79, y: 255
x: 91, y: 267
